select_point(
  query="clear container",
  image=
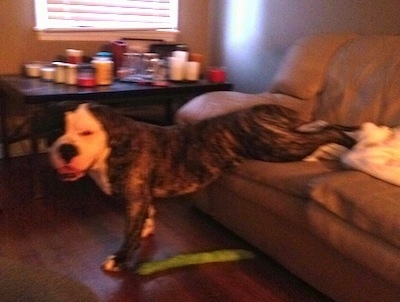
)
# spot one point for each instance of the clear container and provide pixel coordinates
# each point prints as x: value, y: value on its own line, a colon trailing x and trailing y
x: 131, y: 65
x: 149, y: 65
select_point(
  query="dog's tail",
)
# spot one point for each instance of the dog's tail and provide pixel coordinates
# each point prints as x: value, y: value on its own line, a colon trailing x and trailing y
x: 344, y: 134
x: 319, y: 125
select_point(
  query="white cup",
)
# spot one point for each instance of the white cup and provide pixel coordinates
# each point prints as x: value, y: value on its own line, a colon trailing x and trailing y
x: 184, y: 55
x: 192, y: 71
x: 176, y: 68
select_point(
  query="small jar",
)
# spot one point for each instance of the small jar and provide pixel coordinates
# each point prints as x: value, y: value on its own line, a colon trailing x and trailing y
x: 33, y: 69
x: 47, y: 73
x: 71, y: 74
x: 59, y: 73
x: 86, y: 76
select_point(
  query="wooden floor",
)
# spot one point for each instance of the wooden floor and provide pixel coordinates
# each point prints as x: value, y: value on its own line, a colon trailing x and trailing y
x: 75, y: 227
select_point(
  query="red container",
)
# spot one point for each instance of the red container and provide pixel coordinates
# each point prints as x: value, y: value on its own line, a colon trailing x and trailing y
x: 74, y: 56
x: 216, y: 74
x: 86, y: 77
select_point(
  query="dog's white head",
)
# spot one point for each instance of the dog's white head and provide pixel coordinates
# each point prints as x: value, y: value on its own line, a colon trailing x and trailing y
x: 82, y: 149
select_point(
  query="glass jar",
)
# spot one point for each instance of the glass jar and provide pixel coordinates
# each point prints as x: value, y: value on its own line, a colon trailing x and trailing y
x: 131, y: 65
x: 149, y: 65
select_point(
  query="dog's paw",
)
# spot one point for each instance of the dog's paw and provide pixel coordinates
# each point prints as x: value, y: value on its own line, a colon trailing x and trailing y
x: 149, y: 225
x: 148, y: 228
x: 112, y: 265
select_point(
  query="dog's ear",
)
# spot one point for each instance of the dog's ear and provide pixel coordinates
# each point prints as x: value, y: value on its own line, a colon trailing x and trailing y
x: 112, y: 120
x: 55, y: 112
x: 117, y: 126
x: 52, y: 123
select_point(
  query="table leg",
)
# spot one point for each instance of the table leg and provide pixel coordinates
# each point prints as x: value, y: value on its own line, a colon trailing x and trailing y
x: 169, y: 112
x: 3, y: 125
x: 35, y: 128
x: 36, y: 132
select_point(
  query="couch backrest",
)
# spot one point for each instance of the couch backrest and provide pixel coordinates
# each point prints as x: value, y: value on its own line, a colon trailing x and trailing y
x: 302, y: 71
x: 362, y: 83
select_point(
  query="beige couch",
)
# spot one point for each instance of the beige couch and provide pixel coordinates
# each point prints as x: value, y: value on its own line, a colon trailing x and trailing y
x: 337, y: 229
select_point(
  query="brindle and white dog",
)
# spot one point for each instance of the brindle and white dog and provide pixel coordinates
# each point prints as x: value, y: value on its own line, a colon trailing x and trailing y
x: 136, y: 162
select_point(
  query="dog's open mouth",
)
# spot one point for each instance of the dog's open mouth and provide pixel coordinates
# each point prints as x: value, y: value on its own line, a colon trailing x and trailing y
x: 69, y: 176
x: 67, y: 173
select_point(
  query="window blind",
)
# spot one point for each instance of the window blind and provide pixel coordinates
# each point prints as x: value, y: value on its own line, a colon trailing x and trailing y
x: 108, y: 14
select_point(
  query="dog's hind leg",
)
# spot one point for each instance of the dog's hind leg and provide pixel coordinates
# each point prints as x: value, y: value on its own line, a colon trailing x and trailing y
x: 137, y: 213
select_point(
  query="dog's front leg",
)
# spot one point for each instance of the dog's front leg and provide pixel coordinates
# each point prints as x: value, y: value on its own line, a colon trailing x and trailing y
x: 136, y: 215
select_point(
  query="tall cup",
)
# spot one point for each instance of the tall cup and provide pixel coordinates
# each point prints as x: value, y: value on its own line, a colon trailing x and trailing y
x: 184, y: 55
x: 176, y: 68
x: 192, y: 71
x: 118, y: 48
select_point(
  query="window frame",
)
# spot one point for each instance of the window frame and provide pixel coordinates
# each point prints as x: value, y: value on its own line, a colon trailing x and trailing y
x: 97, y: 34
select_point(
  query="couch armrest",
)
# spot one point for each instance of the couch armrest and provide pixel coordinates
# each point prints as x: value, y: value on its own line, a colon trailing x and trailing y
x: 222, y: 102
x: 215, y: 103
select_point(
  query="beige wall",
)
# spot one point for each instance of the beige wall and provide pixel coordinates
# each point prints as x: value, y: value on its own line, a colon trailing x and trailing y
x: 19, y: 44
x: 250, y: 37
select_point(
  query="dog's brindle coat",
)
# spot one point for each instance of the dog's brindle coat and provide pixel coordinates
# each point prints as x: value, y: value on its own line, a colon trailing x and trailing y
x: 147, y: 161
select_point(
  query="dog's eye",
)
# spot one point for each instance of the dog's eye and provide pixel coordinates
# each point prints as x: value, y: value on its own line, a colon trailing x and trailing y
x: 86, y: 133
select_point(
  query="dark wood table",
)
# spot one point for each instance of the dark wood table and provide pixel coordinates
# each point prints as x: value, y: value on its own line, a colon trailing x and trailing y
x: 35, y: 92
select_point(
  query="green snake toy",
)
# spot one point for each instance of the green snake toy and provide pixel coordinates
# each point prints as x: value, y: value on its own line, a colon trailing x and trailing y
x: 151, y: 267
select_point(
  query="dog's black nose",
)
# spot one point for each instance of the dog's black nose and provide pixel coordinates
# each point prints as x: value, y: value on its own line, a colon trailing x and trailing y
x: 67, y: 152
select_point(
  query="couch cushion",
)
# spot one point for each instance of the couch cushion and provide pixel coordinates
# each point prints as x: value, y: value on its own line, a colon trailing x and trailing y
x: 363, y: 83
x: 359, y: 199
x: 257, y: 212
x: 371, y: 204
x: 291, y: 177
